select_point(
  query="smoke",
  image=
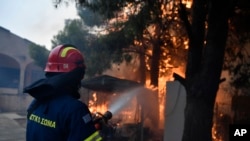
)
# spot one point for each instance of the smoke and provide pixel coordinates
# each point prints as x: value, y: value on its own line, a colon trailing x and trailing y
x: 146, y: 98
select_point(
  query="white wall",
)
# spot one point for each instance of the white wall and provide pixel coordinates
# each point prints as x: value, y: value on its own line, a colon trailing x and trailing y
x: 174, y: 111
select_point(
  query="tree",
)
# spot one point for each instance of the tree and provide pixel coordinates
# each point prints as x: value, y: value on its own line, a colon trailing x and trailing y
x: 204, y: 66
x: 207, y: 32
x: 39, y: 54
x: 147, y: 23
x: 76, y: 32
x: 237, y: 58
x: 89, y: 17
x: 151, y: 30
x: 205, y: 61
x: 96, y: 48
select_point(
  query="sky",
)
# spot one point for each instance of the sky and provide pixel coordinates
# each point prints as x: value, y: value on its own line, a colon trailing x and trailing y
x: 35, y: 20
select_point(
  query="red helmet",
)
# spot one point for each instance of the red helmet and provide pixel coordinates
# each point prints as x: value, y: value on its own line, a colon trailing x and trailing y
x: 64, y: 58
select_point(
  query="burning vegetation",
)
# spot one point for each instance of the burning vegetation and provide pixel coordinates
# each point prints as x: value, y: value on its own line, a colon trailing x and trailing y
x: 137, y: 110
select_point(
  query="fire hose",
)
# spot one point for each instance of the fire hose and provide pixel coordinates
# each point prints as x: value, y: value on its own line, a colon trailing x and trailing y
x: 101, y: 120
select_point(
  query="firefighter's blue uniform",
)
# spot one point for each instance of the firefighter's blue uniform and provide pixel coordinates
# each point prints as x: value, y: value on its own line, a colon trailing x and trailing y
x: 55, y: 115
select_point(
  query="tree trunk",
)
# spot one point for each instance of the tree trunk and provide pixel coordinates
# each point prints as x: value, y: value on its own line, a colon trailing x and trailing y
x: 154, y: 75
x: 154, y: 72
x: 202, y: 82
x: 142, y: 68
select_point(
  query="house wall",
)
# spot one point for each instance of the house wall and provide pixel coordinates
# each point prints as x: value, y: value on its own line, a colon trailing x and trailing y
x: 17, y: 70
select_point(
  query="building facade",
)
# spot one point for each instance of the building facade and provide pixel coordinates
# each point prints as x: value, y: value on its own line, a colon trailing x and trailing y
x: 17, y: 70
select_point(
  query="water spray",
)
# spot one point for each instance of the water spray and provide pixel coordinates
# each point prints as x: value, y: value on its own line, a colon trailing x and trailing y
x: 101, y: 120
x: 124, y: 98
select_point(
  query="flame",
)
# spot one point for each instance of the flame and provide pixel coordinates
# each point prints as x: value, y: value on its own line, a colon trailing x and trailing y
x: 188, y: 3
x: 94, y: 106
x: 99, y: 103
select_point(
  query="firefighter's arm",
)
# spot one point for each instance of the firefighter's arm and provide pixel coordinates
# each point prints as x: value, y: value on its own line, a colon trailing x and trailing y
x: 82, y: 126
x: 94, y: 137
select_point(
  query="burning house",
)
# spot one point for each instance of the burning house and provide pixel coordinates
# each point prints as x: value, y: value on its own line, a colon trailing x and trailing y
x: 134, y: 108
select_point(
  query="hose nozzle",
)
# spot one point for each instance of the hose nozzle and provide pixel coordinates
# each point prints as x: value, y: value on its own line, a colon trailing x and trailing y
x: 107, y: 115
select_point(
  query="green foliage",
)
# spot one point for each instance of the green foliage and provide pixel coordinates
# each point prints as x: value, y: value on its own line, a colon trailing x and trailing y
x: 74, y: 33
x: 39, y: 54
x: 107, y: 8
x: 89, y: 17
x: 99, y: 52
x: 140, y: 16
x: 98, y: 58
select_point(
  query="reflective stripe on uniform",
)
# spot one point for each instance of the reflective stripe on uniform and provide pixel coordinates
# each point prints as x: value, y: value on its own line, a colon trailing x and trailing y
x: 65, y: 50
x: 94, y: 137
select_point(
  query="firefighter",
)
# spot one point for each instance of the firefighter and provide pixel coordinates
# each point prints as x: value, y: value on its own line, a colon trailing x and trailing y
x: 56, y: 114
